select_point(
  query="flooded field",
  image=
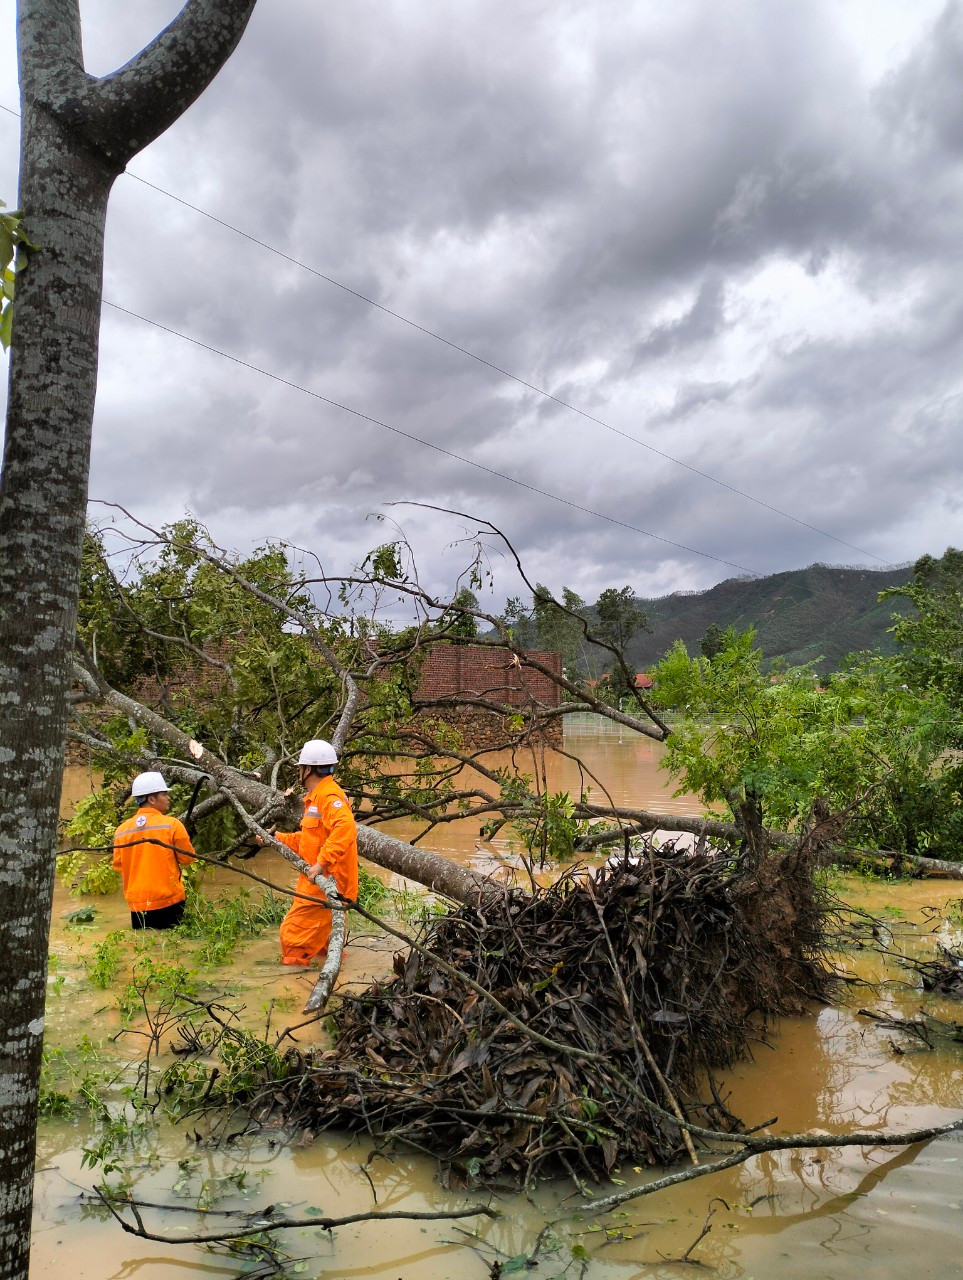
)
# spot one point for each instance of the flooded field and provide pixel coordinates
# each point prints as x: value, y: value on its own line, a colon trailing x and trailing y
x: 877, y: 1212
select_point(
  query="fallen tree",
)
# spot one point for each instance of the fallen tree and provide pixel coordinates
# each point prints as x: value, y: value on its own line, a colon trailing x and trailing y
x: 568, y: 1029
x: 359, y: 678
x: 642, y: 822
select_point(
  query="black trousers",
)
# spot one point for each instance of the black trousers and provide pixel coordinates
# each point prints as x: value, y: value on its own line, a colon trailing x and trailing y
x: 164, y: 918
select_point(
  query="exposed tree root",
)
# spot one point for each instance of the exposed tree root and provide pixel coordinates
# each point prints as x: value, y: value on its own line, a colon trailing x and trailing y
x: 614, y: 996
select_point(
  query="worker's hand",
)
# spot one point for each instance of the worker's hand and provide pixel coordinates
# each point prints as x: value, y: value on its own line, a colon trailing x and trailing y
x: 314, y: 870
x: 249, y: 846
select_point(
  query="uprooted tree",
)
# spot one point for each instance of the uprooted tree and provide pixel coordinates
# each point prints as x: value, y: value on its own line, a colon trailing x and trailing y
x: 522, y: 1033
x: 526, y: 1032
x: 78, y: 133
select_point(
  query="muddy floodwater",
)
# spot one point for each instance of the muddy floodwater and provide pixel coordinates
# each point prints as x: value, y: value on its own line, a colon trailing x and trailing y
x: 855, y: 1212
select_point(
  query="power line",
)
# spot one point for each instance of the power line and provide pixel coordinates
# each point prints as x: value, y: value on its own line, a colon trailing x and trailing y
x: 505, y: 373
x: 407, y: 435
x: 465, y: 351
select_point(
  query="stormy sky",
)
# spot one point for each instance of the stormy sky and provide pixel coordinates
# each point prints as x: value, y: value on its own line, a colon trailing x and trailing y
x: 726, y: 236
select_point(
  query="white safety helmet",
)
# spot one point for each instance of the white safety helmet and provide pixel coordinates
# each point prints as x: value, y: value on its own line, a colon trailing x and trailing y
x: 318, y: 752
x: 148, y: 784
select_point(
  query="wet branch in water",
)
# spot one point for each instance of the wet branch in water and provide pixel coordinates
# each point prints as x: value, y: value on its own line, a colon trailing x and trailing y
x: 267, y: 1221
x: 753, y: 1146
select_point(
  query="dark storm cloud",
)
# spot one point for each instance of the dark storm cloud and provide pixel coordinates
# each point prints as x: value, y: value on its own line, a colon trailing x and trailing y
x: 918, y: 99
x: 699, y: 324
x: 714, y: 228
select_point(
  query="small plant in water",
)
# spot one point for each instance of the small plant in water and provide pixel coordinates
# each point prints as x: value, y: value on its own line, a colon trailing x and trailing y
x: 954, y: 912
x: 103, y: 965
x: 372, y: 892
x: 161, y: 982
x: 222, y: 923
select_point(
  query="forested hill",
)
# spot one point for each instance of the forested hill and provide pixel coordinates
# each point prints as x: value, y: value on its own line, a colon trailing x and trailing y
x: 820, y: 613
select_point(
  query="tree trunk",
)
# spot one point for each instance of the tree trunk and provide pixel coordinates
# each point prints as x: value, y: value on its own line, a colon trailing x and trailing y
x: 439, y: 874
x: 77, y: 135
x: 53, y: 371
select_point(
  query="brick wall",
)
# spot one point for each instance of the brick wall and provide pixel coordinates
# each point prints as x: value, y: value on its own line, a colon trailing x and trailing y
x: 478, y: 671
x: 481, y: 730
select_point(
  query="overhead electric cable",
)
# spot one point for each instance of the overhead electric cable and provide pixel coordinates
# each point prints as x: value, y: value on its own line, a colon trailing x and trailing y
x: 367, y: 417
x: 465, y: 351
x: 505, y: 373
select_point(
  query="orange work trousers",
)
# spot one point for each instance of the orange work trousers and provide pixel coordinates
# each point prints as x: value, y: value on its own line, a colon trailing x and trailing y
x: 305, y: 929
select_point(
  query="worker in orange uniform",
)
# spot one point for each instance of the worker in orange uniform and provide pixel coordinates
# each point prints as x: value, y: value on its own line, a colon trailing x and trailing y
x: 328, y: 842
x: 149, y: 850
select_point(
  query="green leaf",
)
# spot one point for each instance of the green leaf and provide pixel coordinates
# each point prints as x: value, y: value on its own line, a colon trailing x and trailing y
x: 6, y: 327
x: 518, y: 1263
x: 84, y: 915
x: 580, y: 1252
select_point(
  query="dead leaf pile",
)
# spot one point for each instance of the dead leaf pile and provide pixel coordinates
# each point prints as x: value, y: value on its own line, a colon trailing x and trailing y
x: 639, y: 980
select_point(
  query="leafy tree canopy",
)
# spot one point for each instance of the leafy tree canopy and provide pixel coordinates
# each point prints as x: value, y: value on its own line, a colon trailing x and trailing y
x: 769, y: 745
x: 931, y: 640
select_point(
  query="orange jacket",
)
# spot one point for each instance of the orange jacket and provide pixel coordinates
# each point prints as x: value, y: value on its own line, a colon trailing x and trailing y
x: 152, y: 872
x: 328, y: 835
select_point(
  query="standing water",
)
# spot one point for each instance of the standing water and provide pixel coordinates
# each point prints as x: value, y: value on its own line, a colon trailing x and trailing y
x: 853, y: 1212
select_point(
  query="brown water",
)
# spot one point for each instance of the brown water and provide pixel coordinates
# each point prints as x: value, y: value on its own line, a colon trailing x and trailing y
x: 614, y: 766
x: 873, y: 1212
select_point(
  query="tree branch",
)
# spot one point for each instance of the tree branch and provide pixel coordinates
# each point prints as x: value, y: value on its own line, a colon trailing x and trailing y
x: 268, y: 1223
x: 135, y: 104
x: 51, y: 52
x: 752, y: 1146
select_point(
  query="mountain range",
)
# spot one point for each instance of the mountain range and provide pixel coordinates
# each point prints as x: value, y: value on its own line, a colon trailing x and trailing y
x: 815, y: 615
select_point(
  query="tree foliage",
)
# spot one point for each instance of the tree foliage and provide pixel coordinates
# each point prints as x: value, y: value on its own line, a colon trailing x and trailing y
x: 713, y: 642
x: 15, y: 248
x: 559, y: 625
x: 619, y: 618
x: 931, y: 638
x: 771, y: 745
x: 459, y: 620
x: 185, y: 636
x: 249, y: 656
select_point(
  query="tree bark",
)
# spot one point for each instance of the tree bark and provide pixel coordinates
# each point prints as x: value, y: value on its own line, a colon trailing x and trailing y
x: 77, y: 134
x: 642, y: 822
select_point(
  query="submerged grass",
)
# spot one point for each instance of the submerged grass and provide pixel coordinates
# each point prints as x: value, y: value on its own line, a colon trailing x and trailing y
x: 222, y: 923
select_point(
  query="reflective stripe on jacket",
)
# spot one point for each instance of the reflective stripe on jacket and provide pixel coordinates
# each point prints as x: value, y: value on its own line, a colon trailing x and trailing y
x: 150, y: 868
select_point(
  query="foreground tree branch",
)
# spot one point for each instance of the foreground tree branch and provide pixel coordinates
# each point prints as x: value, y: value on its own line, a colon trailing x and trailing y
x: 250, y: 795
x: 269, y: 1222
x: 643, y: 821
x: 753, y: 1146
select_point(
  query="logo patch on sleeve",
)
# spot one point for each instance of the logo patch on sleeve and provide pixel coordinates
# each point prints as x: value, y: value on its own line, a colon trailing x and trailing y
x: 337, y: 804
x: 140, y: 820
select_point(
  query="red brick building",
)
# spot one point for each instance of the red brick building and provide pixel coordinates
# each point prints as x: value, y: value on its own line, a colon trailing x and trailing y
x: 464, y: 673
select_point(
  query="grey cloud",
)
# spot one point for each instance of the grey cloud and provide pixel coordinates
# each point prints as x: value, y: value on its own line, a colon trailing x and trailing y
x: 545, y: 191
x: 921, y: 99
x: 697, y: 395
x: 700, y: 323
